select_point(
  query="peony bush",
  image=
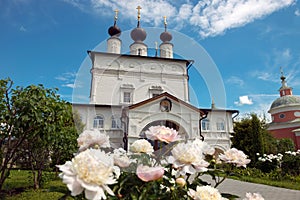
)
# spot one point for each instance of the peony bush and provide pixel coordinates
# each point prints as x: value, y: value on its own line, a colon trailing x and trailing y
x: 172, y: 172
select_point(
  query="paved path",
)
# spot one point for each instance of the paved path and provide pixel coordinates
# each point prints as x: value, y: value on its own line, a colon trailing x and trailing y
x: 240, y: 188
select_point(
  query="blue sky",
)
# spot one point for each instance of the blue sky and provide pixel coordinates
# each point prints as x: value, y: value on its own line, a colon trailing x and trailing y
x: 247, y: 40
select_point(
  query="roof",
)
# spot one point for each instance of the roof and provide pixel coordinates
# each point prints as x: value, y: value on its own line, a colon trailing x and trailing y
x: 188, y: 62
x: 165, y: 94
x: 285, y: 101
x: 219, y: 110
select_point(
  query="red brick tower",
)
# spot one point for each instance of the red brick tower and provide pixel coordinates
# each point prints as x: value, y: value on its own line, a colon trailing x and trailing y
x: 285, y: 112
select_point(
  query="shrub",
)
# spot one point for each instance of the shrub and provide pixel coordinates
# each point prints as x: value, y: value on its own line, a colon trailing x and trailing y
x: 291, y: 163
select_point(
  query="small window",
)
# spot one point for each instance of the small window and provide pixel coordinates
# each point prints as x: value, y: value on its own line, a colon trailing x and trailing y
x: 98, y: 122
x: 205, y: 125
x: 115, y: 122
x: 127, y: 97
x: 220, y: 126
x: 281, y: 116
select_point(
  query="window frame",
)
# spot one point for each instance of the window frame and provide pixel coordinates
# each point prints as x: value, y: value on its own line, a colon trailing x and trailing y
x: 205, y: 125
x: 96, y: 122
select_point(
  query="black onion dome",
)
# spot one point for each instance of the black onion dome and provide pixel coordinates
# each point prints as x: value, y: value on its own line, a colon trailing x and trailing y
x: 166, y: 36
x: 286, y: 100
x: 138, y: 34
x: 114, y: 31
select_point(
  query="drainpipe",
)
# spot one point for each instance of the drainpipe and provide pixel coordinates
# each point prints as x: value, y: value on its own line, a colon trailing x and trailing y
x: 237, y: 113
x: 205, y: 116
x: 124, y: 121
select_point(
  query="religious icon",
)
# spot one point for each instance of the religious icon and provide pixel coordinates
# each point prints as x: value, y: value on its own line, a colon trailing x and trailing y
x: 165, y: 105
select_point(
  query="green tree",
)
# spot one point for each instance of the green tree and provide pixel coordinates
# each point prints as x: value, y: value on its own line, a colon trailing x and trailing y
x: 285, y: 144
x: 248, y: 136
x: 33, y: 119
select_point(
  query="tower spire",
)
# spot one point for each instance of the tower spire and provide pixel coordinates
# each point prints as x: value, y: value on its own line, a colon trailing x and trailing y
x: 114, y: 43
x: 166, y: 47
x: 284, y: 89
x: 116, y: 16
x: 139, y: 15
x: 165, y: 23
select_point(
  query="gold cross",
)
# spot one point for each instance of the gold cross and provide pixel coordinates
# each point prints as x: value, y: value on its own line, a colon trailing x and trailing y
x: 165, y: 20
x: 139, y: 12
x: 116, y: 15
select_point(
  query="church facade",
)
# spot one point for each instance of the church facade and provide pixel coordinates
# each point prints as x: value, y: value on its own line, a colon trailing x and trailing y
x: 285, y: 113
x: 131, y: 92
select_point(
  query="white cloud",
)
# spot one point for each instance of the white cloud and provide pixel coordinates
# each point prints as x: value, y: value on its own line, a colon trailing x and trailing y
x: 68, y: 80
x: 297, y: 12
x: 23, y: 29
x: 235, y: 80
x: 209, y: 17
x: 69, y: 85
x: 244, y: 100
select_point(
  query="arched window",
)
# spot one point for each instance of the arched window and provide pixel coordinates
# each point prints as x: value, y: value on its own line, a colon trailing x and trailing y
x: 115, y: 122
x: 98, y: 122
x: 205, y: 125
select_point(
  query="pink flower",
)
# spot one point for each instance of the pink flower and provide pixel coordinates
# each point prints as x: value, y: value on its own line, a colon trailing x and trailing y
x: 162, y: 133
x: 235, y: 156
x: 146, y: 173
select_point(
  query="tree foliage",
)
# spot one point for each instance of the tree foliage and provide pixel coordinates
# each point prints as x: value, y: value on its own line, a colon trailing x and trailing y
x: 35, y: 125
x: 252, y: 137
x: 248, y: 136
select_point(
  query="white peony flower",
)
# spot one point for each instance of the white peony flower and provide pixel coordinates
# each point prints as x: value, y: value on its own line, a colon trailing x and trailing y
x: 235, y: 156
x: 162, y: 133
x: 91, y: 170
x: 92, y: 138
x: 141, y: 146
x: 206, y: 148
x: 187, y: 158
x: 146, y: 173
x: 121, y: 159
x: 253, y: 196
x: 205, y: 193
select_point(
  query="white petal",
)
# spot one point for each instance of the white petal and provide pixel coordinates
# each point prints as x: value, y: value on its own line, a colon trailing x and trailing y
x: 108, y: 190
x: 95, y: 195
x: 88, y: 186
x: 66, y: 168
x: 76, y: 189
x: 72, y: 185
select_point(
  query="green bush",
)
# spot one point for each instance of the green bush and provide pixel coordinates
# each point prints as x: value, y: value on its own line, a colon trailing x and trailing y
x: 291, y: 163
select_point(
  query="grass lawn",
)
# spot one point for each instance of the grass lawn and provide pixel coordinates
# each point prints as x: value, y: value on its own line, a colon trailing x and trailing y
x: 289, y: 184
x: 19, y: 186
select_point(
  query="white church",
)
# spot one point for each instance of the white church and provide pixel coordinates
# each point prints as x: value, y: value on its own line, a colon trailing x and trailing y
x: 131, y: 92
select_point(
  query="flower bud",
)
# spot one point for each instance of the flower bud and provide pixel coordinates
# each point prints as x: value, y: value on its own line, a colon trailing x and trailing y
x: 181, y: 182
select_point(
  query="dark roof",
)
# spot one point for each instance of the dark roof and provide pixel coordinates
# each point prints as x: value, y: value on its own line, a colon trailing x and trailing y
x: 95, y: 105
x: 165, y: 94
x: 219, y: 110
x: 285, y: 101
x: 144, y: 57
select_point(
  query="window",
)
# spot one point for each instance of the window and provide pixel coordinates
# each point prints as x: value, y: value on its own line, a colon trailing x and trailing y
x: 126, y: 93
x: 127, y: 97
x: 115, y: 122
x: 98, y: 122
x: 154, y: 95
x: 205, y: 125
x: 220, y: 125
x: 155, y: 90
x: 281, y: 116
